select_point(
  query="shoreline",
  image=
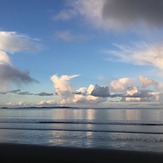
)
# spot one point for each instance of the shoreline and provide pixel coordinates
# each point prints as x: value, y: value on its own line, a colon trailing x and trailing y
x: 10, y: 152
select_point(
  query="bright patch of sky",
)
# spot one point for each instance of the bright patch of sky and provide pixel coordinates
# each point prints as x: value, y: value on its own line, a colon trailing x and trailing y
x: 85, y: 53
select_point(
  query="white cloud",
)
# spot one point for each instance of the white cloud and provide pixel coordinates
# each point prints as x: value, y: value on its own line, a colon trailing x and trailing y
x: 63, y: 87
x: 120, y: 85
x: 68, y: 36
x: 91, y: 11
x: 64, y: 35
x: 69, y: 96
x: 90, y: 89
x: 147, y: 82
x: 65, y: 15
x: 4, y: 59
x: 140, y: 54
x: 123, y: 89
x: 13, y: 42
x: 16, y: 104
x: 47, y: 103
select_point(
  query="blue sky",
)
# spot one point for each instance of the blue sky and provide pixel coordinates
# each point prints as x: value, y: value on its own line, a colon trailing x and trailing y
x: 82, y: 53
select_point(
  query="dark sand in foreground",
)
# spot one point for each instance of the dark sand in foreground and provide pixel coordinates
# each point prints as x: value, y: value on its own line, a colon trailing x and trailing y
x: 10, y: 153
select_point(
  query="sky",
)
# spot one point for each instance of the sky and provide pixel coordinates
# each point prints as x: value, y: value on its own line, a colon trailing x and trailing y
x: 82, y: 53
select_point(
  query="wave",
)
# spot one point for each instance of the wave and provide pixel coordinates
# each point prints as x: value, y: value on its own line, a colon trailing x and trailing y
x: 90, y: 122
x: 81, y: 130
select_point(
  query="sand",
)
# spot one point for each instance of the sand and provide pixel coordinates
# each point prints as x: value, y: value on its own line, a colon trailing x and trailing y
x: 10, y: 153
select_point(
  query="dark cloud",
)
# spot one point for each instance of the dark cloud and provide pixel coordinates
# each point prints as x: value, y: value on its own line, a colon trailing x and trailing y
x: 44, y: 94
x: 19, y: 92
x: 141, y: 94
x: 100, y: 91
x: 15, y: 91
x: 3, y: 93
x: 13, y: 75
x: 129, y: 12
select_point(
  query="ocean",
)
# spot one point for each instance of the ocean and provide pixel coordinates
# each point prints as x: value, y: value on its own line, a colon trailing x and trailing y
x: 104, y: 128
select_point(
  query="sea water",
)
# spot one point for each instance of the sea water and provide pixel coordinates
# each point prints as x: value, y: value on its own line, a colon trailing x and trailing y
x: 106, y: 128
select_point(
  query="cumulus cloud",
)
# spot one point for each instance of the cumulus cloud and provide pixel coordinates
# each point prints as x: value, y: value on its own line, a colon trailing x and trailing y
x: 100, y: 91
x: 63, y: 87
x: 68, y: 95
x: 84, y: 95
x: 134, y: 90
x: 136, y: 94
x: 139, y: 54
x: 115, y: 14
x: 4, y: 59
x: 123, y: 89
x: 120, y: 85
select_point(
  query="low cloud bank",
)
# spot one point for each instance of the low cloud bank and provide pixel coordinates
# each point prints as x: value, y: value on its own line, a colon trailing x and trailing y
x: 142, y: 89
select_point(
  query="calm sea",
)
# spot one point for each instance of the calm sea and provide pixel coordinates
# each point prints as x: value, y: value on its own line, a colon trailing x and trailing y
x: 126, y: 129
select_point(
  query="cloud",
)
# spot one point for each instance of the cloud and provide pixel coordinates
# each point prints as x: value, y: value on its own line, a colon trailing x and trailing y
x: 120, y: 85
x: 134, y: 94
x: 90, y: 10
x: 63, y: 87
x: 140, y: 54
x: 147, y: 82
x: 68, y: 36
x: 47, y: 102
x: 68, y: 95
x: 123, y: 89
x: 65, y: 15
x: 44, y: 94
x: 115, y: 14
x: 129, y: 90
x: 16, y: 104
x: 15, y: 91
x: 13, y: 42
x: 10, y: 74
x: 132, y: 12
x: 100, y: 91
x: 26, y: 93
x: 84, y: 95
x: 4, y: 59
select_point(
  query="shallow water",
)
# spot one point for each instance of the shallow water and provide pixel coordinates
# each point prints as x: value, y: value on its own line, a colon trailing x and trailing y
x: 126, y: 129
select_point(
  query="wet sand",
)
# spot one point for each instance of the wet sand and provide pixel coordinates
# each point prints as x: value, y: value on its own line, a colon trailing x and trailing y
x: 21, y: 153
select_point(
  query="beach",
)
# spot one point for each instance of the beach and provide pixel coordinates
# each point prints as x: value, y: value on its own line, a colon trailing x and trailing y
x: 24, y: 153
